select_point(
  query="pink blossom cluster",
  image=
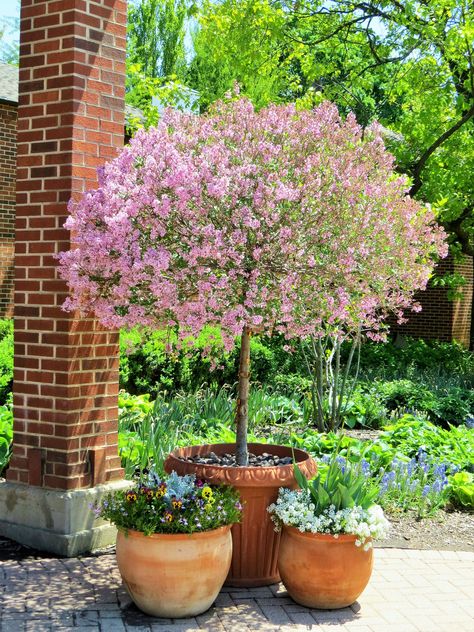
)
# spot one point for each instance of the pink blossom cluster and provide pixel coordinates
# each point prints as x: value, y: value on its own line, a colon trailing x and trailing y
x: 278, y: 220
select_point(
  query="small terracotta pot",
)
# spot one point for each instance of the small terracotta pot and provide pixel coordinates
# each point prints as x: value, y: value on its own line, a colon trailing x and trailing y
x: 174, y: 575
x: 255, y: 541
x: 321, y: 571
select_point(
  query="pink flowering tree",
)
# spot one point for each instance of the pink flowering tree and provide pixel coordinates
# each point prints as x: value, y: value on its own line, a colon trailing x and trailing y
x: 255, y: 222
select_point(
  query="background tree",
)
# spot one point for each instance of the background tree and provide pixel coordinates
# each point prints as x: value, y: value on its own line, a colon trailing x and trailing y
x: 156, y: 56
x: 155, y: 36
x: 418, y: 80
x: 239, y: 41
x: 9, y: 48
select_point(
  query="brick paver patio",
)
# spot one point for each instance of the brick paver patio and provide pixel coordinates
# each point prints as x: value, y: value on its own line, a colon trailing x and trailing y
x: 410, y: 591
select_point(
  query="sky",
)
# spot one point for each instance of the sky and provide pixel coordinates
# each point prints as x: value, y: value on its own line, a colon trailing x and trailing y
x: 9, y: 9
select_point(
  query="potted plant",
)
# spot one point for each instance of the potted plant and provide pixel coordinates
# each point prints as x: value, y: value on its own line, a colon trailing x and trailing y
x: 326, y: 554
x: 252, y: 222
x: 174, y: 545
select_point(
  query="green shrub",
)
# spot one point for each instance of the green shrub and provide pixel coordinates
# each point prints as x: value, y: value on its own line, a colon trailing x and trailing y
x: 417, y: 358
x: 146, y: 367
x: 455, y: 405
x: 6, y: 359
x: 291, y: 385
x: 410, y: 435
x: 405, y: 394
x: 6, y: 434
x: 444, y: 406
x: 365, y: 409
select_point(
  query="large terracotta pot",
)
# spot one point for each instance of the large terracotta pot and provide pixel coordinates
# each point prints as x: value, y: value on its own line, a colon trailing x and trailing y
x: 321, y: 571
x: 174, y: 575
x: 255, y: 541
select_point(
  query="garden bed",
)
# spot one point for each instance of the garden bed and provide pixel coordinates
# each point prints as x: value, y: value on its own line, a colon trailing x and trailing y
x: 445, y: 531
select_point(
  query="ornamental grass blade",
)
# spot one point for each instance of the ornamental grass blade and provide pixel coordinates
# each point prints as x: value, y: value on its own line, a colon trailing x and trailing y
x: 300, y: 478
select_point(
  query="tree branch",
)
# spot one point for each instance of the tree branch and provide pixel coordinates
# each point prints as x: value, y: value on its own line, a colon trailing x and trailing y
x: 418, y: 167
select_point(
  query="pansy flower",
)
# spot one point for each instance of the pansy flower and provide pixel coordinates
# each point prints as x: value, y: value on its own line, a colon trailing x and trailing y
x: 131, y: 496
x: 176, y: 503
x: 161, y: 490
x: 168, y: 516
x: 206, y: 493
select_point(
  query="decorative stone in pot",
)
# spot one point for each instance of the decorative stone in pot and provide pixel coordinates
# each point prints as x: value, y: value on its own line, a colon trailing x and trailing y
x: 255, y: 541
x: 174, y: 574
x: 323, y: 571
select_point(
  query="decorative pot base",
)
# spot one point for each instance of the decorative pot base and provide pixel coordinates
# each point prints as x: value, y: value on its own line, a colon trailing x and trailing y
x: 255, y: 542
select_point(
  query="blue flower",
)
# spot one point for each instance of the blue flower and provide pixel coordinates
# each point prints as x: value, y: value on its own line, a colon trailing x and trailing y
x: 341, y: 461
x: 470, y: 421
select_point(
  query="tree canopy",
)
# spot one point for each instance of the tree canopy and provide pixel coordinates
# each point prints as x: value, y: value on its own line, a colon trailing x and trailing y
x: 275, y: 220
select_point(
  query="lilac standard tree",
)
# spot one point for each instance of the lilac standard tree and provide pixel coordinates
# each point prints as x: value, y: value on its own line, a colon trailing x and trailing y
x: 277, y: 220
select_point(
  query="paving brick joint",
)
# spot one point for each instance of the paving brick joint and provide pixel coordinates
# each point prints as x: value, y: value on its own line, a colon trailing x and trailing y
x: 410, y: 591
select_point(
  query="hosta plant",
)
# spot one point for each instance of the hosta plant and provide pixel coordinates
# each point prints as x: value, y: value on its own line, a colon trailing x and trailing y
x: 173, y: 504
x: 461, y: 490
x: 338, y: 501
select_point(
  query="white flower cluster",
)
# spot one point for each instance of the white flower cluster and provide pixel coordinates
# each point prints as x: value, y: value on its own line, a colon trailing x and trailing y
x: 296, y: 509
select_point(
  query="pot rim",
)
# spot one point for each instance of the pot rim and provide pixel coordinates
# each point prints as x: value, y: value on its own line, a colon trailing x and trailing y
x: 326, y: 537
x: 301, y: 456
x: 174, y: 536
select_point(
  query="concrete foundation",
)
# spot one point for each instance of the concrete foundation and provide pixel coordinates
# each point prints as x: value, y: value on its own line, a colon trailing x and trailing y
x: 59, y: 522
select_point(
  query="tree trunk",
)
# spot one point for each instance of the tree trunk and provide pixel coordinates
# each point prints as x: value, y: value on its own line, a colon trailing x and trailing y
x: 242, y: 413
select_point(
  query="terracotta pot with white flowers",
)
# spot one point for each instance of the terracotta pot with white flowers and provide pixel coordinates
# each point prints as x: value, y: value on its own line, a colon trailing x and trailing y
x: 326, y: 553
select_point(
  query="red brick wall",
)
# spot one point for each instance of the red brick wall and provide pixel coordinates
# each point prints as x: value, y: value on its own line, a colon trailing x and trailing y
x: 440, y: 318
x: 70, y: 120
x: 8, y: 114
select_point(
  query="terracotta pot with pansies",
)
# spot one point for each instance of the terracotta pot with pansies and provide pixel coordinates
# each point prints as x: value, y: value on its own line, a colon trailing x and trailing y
x: 174, y: 546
